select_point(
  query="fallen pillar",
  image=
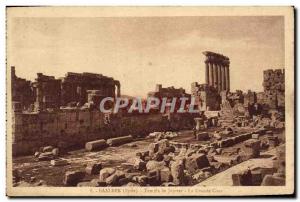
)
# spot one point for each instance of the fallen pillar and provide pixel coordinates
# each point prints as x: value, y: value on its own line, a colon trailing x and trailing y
x: 119, y: 140
x: 95, y: 145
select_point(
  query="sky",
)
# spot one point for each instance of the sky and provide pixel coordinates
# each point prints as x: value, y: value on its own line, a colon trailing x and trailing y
x: 141, y: 52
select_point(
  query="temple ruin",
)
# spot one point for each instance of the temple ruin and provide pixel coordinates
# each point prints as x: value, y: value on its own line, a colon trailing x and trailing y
x: 217, y: 71
x: 52, y: 118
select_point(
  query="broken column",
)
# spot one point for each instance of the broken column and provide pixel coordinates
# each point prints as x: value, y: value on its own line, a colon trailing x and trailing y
x: 119, y: 140
x: 95, y: 145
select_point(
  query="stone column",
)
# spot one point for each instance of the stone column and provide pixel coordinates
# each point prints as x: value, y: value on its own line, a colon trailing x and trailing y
x: 215, y: 70
x: 39, y: 97
x: 227, y: 78
x: 219, y: 78
x: 207, y: 73
x: 211, y: 77
x: 222, y: 78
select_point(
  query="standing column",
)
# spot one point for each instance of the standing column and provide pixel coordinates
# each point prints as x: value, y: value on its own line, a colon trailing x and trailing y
x: 222, y: 78
x: 219, y: 78
x: 211, y: 77
x: 207, y: 73
x: 227, y: 78
x: 215, y: 68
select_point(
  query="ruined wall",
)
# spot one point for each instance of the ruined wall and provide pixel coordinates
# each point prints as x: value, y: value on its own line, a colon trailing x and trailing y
x: 206, y: 97
x: 250, y: 98
x: 47, y: 92
x: 75, y: 86
x: 21, y: 90
x: 274, y: 88
x: 72, y: 128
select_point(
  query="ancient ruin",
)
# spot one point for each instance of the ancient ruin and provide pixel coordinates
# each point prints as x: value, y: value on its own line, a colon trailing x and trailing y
x: 57, y: 125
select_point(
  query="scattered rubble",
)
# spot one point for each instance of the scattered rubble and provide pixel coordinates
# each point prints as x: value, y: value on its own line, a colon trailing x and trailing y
x: 173, y: 163
x: 163, y: 135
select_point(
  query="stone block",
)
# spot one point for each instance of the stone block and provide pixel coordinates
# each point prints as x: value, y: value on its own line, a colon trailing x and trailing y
x: 170, y: 149
x: 93, y: 168
x: 270, y: 180
x: 273, y: 141
x: 158, y: 157
x: 73, y: 177
x: 37, y: 154
x: 98, y: 183
x: 46, y: 156
x: 153, y: 177
x: 105, y: 173
x: 203, y: 136
x: 59, y: 162
x: 255, y: 136
x: 226, y: 143
x: 153, y: 148
x: 47, y: 149
x: 123, y: 181
x: 165, y: 175
x: 153, y: 165
x: 141, y: 180
x: 163, y: 145
x: 114, y: 178
x: 177, y: 172
x: 254, y: 146
x: 137, y: 163
x: 55, y: 152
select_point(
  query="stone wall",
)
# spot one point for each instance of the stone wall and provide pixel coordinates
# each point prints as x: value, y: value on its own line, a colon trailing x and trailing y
x: 71, y: 128
x: 274, y: 88
x: 47, y: 92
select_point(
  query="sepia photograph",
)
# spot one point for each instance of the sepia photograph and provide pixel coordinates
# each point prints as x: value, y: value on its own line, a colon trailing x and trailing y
x: 150, y: 101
